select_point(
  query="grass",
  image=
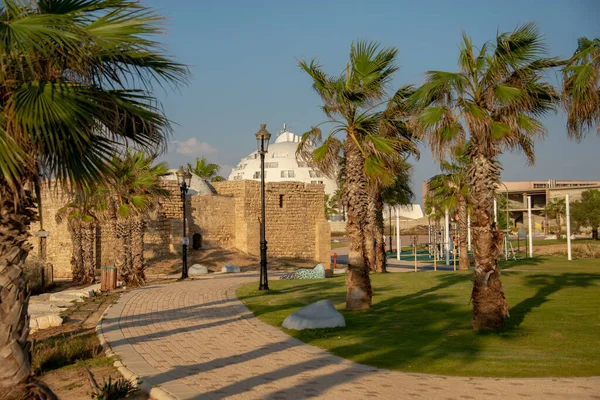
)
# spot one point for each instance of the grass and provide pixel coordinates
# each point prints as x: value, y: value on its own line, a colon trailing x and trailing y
x: 542, y: 242
x: 68, y: 350
x: 337, y: 245
x: 422, y: 322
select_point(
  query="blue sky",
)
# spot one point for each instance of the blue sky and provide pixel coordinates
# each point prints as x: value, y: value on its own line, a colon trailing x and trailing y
x: 243, y: 58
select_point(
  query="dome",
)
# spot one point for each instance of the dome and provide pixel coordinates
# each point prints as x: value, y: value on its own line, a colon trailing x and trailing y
x: 197, y: 184
x: 281, y: 165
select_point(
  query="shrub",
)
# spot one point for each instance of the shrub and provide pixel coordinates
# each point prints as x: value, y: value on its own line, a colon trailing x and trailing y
x: 120, y: 389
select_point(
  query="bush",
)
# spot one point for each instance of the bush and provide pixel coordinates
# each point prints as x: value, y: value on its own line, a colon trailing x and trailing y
x: 120, y: 389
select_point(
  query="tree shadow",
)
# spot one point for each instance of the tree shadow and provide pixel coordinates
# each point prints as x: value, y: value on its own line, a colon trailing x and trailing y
x: 546, y: 286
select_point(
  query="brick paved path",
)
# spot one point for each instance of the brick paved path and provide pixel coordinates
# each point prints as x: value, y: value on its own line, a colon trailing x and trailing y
x: 197, y: 341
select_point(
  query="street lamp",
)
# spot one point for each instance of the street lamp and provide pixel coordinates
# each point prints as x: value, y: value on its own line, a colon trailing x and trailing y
x: 262, y: 140
x: 184, y: 178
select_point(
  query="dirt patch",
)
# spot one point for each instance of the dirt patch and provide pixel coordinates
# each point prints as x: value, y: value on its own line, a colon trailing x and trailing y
x: 214, y: 259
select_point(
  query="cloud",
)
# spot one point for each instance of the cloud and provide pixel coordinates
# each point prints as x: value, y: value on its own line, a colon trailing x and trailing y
x: 192, y: 147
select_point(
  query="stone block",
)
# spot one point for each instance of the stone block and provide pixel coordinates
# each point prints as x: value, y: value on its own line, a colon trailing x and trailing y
x: 230, y: 268
x: 45, y: 322
x: 197, y: 269
x: 321, y: 314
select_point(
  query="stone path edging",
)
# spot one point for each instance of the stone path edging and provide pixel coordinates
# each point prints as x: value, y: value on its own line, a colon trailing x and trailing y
x: 196, y: 340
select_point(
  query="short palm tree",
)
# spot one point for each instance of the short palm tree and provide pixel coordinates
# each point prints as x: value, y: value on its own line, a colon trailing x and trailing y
x: 350, y: 103
x: 556, y: 209
x: 76, y: 83
x: 80, y: 213
x: 135, y: 189
x: 206, y: 170
x: 581, y: 88
x: 494, y: 100
x: 451, y: 188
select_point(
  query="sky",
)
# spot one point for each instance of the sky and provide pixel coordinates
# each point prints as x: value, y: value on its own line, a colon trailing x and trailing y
x: 243, y: 58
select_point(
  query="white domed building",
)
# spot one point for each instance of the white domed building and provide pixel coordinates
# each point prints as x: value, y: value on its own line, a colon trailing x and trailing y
x: 281, y: 165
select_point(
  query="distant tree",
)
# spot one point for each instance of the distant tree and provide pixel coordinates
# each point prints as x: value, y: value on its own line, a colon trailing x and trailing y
x: 581, y: 88
x: 331, y: 206
x: 586, y: 212
x: 205, y: 170
x: 555, y: 209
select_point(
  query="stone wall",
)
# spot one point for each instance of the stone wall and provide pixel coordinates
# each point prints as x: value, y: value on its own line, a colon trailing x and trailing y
x: 296, y: 226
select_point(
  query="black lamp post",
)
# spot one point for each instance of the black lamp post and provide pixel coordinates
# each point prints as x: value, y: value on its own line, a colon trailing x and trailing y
x: 262, y: 139
x: 184, y: 178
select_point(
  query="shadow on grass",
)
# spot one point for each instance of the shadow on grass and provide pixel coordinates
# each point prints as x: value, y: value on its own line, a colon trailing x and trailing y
x: 547, y: 285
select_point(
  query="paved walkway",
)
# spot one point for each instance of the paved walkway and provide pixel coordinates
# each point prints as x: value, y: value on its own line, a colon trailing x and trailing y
x: 197, y: 341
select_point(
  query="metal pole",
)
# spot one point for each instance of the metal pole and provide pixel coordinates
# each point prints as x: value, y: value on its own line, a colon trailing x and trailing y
x: 468, y: 231
x: 264, y: 281
x: 184, y: 246
x: 567, y: 201
x: 530, y: 226
x: 496, y: 212
x: 398, y: 241
x: 390, y: 222
x: 447, y: 235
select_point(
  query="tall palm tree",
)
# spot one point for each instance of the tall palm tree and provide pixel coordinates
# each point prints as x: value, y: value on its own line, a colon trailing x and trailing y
x: 494, y: 100
x: 135, y: 188
x: 76, y: 82
x: 451, y: 188
x: 581, y: 88
x: 350, y: 103
x: 205, y: 170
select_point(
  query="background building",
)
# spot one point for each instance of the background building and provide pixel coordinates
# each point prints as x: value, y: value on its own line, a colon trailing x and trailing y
x: 281, y: 165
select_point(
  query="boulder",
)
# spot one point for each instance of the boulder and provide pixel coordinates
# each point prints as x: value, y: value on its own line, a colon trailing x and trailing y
x: 44, y: 322
x: 197, y: 269
x: 317, y: 272
x: 230, y: 268
x: 321, y: 314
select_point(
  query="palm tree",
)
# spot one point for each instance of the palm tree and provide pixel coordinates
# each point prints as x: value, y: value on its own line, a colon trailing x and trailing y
x: 494, y: 100
x: 397, y: 194
x: 206, y: 170
x: 350, y: 103
x: 556, y: 208
x: 452, y: 191
x: 76, y: 83
x: 581, y: 88
x: 81, y: 217
x: 135, y: 189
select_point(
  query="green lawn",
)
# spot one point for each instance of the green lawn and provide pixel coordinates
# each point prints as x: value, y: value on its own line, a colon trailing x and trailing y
x: 542, y: 242
x: 337, y: 245
x: 421, y: 322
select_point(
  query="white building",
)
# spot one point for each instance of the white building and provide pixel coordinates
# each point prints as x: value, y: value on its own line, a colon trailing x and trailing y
x: 281, y: 165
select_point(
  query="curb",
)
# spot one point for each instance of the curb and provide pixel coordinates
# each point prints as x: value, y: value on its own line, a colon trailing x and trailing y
x: 155, y: 392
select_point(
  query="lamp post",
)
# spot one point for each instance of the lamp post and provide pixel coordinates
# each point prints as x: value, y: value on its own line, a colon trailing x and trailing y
x: 262, y: 140
x: 184, y: 178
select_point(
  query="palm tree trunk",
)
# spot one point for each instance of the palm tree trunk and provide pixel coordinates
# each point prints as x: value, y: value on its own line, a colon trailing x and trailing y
x: 462, y: 233
x: 137, y: 250
x: 15, y: 218
x: 358, y: 284
x: 490, y: 307
x: 77, y: 268
x: 88, y: 230
x: 558, y: 225
x: 123, y: 250
x: 370, y: 234
x: 380, y: 258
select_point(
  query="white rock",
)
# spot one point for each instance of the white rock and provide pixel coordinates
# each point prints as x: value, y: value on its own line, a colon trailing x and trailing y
x: 550, y: 237
x: 44, y: 322
x: 198, y: 269
x: 321, y: 314
x: 230, y: 268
